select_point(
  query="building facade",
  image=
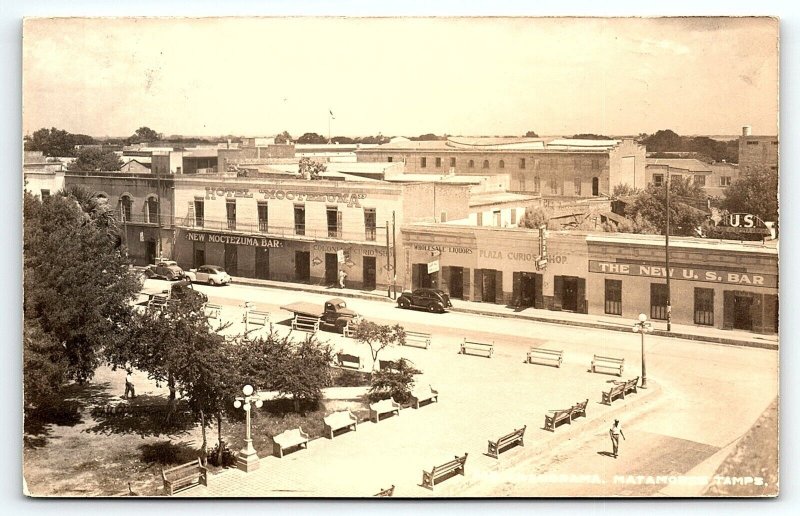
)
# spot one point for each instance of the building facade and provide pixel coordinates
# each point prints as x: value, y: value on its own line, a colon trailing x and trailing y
x: 757, y: 151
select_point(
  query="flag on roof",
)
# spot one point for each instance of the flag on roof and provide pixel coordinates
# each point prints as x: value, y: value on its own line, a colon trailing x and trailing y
x: 331, y: 112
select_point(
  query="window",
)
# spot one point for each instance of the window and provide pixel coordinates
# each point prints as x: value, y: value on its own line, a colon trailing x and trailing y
x: 334, y: 222
x: 751, y: 142
x: 497, y: 217
x: 521, y: 162
x: 577, y: 186
x: 471, y: 164
x: 45, y: 193
x: 369, y: 224
x: 486, y: 163
x: 700, y: 180
x: 230, y: 212
x: 452, y: 162
x: 614, y: 297
x: 443, y: 217
x: 537, y: 184
x: 553, y: 186
x: 438, y: 162
x: 502, y: 164
x: 263, y: 216
x: 389, y: 159
x: 658, y: 301
x: 704, y: 306
x: 125, y: 207
x: 299, y: 219
x: 658, y: 180
x: 725, y: 181
x: 152, y: 210
x: 199, y: 212
x: 522, y: 183
x: 423, y: 162
x: 513, y: 216
x: 480, y: 218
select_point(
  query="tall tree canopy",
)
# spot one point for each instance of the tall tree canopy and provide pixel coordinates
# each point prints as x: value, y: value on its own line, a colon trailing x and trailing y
x: 284, y: 137
x: 93, y: 159
x: 55, y: 142
x: 685, y: 214
x: 144, y: 134
x: 667, y: 140
x: 755, y: 192
x: 312, y: 138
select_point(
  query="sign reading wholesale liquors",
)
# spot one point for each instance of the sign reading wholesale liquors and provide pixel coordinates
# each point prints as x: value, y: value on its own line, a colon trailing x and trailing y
x: 233, y: 239
x: 350, y: 199
x: 685, y: 273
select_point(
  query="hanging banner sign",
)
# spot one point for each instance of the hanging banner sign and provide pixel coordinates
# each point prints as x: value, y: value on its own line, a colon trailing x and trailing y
x: 685, y: 273
x: 433, y: 267
x: 340, y: 256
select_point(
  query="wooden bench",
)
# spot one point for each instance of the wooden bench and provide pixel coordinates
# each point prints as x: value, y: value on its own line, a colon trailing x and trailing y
x: 255, y: 318
x: 385, y: 492
x: 631, y: 386
x: 558, y: 417
x: 507, y: 441
x: 305, y: 323
x: 579, y: 409
x: 157, y: 301
x: 386, y: 406
x: 544, y: 356
x: 289, y: 439
x: 476, y: 348
x: 616, y: 364
x: 349, y: 361
x: 339, y: 420
x: 443, y: 471
x: 184, y: 476
x: 616, y: 391
x: 212, y: 311
x: 420, y: 394
x: 418, y: 339
x: 348, y: 330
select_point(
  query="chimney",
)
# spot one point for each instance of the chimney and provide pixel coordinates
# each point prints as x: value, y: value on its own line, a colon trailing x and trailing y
x: 746, y: 130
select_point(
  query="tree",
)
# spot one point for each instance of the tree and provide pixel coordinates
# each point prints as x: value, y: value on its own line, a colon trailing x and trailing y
x: 378, y: 337
x: 78, y: 285
x: 427, y: 137
x: 755, y: 192
x: 536, y: 217
x: 685, y: 217
x: 531, y: 134
x: 393, y: 382
x: 284, y: 137
x: 56, y: 142
x: 706, y: 149
x: 144, y: 134
x: 590, y: 136
x: 344, y: 140
x: 44, y: 365
x: 309, y: 169
x: 624, y: 190
x: 303, y: 369
x: 93, y: 159
x: 312, y: 138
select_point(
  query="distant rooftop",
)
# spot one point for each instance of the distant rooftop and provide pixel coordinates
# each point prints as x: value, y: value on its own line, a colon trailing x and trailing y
x: 690, y: 165
x: 494, y: 198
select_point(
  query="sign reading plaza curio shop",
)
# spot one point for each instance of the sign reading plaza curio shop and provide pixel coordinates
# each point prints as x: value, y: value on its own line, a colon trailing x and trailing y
x: 685, y: 273
x: 216, y: 238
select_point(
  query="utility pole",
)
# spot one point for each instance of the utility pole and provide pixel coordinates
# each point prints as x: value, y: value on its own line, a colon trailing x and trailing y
x: 388, y: 283
x: 666, y: 256
x: 394, y: 256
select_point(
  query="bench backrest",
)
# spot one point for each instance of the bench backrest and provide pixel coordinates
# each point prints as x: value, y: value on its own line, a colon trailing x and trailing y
x: 598, y: 358
x: 384, y: 405
x: 581, y: 405
x: 289, y: 437
x: 338, y: 418
x: 418, y: 335
x: 543, y: 351
x: 255, y: 317
x: 422, y: 392
x: 469, y: 343
x: 344, y: 357
x: 305, y: 319
x: 182, y: 471
x: 452, y: 465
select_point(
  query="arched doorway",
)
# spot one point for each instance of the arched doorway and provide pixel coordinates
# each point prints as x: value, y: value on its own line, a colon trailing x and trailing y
x: 595, y: 186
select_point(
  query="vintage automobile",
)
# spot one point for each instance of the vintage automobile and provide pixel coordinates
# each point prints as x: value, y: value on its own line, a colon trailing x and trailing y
x: 165, y: 269
x: 334, y: 313
x: 209, y: 274
x: 430, y: 299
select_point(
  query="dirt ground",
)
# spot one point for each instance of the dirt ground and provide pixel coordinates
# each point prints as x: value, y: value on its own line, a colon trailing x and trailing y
x: 79, y: 449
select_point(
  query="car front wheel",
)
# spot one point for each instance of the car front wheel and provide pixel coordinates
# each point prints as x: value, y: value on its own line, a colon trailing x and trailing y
x: 211, y: 282
x: 403, y: 303
x: 432, y: 308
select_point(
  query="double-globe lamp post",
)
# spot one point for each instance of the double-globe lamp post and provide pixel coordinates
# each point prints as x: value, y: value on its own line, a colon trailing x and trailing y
x: 643, y: 326
x: 247, y: 460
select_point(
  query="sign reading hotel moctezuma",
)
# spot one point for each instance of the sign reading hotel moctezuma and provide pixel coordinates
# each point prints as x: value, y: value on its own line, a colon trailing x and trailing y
x: 685, y: 273
x: 233, y: 239
x: 350, y: 199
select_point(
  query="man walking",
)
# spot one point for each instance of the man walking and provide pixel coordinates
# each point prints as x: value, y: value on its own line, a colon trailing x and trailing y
x: 615, y: 431
x: 342, y: 276
x: 129, y: 385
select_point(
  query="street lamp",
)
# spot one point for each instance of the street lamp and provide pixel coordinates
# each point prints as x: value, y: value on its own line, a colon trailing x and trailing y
x: 247, y: 460
x: 643, y: 326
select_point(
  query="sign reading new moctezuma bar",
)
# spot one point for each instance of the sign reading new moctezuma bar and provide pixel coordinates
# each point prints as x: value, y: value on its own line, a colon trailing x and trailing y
x: 685, y: 273
x: 350, y: 199
x: 233, y: 239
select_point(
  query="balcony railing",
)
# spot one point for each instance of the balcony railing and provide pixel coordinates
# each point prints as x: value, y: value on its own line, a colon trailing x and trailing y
x: 263, y: 228
x: 145, y: 218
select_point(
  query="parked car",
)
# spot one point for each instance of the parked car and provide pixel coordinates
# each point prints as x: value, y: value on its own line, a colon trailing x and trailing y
x: 333, y: 313
x: 210, y: 274
x: 430, y: 299
x: 165, y: 269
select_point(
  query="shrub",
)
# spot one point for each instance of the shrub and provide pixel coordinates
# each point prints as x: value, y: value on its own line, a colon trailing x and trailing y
x: 228, y: 456
x: 348, y: 378
x: 395, y: 382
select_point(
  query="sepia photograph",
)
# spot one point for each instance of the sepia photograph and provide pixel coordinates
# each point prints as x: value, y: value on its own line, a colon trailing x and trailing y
x: 400, y: 257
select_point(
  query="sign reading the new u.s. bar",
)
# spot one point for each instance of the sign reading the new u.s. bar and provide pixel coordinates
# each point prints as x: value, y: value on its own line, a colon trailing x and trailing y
x: 685, y: 273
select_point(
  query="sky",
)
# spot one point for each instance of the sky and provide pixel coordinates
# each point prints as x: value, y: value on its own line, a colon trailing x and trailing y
x: 400, y: 76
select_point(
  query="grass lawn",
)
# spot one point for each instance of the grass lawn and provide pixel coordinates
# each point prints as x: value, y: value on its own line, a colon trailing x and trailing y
x: 78, y: 448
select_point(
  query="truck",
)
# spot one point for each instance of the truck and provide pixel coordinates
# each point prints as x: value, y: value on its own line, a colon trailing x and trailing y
x: 334, y: 313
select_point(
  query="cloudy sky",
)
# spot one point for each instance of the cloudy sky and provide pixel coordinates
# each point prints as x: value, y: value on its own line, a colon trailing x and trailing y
x: 400, y: 76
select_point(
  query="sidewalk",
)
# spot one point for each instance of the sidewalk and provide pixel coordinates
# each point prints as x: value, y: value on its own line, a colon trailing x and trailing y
x: 605, y: 322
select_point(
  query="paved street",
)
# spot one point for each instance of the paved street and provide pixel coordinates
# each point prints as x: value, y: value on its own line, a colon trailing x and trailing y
x: 703, y: 398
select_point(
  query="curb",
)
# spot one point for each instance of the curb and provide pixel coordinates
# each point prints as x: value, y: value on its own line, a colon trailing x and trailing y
x: 532, y: 318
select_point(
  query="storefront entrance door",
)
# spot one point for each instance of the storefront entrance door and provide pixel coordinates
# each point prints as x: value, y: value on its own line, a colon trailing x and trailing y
x: 489, y: 286
x: 199, y: 257
x: 150, y: 251
x: 742, y: 312
x: 331, y: 268
x: 369, y: 273
x: 302, y: 266
x: 570, y: 297
x: 527, y: 290
x: 262, y: 262
x: 231, y: 260
x: 457, y: 282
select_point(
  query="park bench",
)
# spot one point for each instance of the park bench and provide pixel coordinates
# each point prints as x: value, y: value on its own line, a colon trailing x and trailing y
x: 255, y: 318
x: 544, y: 356
x: 157, y: 301
x: 579, y: 409
x: 418, y: 339
x: 305, y: 323
x: 348, y: 330
x: 631, y: 386
x: 289, y: 439
x: 476, y: 348
x: 558, y: 417
x: 184, y: 476
x: 420, y: 394
x: 338, y: 420
x: 212, y: 311
x: 507, y: 441
x: 386, y: 492
x: 443, y: 471
x: 386, y: 406
x: 349, y: 361
x: 616, y: 364
x: 617, y: 391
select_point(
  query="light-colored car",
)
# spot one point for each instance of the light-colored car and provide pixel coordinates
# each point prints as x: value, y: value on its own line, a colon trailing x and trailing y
x: 210, y: 274
x: 166, y: 269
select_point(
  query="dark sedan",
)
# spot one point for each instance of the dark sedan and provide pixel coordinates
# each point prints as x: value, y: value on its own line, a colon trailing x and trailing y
x: 430, y: 299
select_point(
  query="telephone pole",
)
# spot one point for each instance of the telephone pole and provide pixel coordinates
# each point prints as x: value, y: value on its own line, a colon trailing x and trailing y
x: 666, y: 256
x: 394, y: 256
x: 388, y: 263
